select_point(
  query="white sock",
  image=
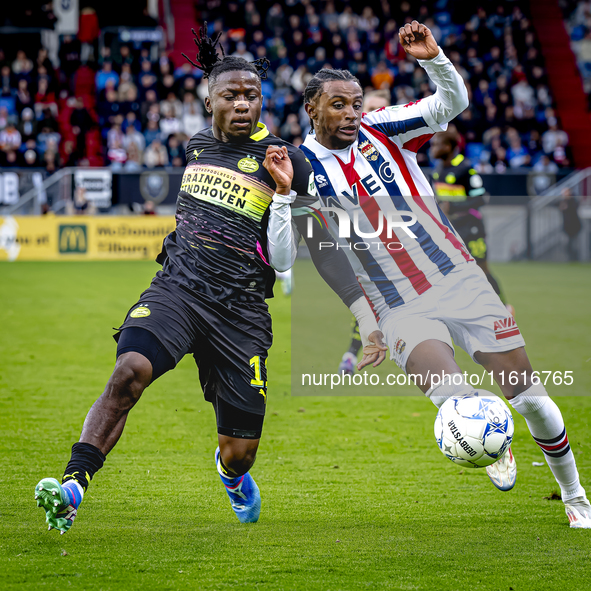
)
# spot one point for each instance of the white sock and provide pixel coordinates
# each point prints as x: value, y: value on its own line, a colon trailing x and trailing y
x: 546, y: 425
x: 440, y: 393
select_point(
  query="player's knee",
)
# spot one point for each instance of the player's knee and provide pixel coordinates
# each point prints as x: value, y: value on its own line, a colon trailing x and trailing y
x: 239, y: 457
x: 131, y: 376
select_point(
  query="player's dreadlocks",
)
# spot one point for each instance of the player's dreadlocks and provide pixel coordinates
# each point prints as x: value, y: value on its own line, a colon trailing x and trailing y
x: 208, y: 59
x: 316, y: 84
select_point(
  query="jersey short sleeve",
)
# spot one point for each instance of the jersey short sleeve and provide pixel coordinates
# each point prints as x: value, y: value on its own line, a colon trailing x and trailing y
x: 412, y: 124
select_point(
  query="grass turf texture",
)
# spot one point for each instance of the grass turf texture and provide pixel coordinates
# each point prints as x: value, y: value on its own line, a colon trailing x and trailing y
x: 356, y: 494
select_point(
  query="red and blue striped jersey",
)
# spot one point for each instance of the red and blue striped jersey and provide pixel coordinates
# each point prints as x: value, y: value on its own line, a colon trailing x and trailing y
x: 378, y: 176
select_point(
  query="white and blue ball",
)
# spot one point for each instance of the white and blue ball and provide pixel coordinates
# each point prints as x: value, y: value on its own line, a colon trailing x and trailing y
x: 475, y: 429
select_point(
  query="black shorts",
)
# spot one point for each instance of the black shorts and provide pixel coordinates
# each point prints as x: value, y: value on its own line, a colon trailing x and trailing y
x: 229, y: 341
x: 471, y: 231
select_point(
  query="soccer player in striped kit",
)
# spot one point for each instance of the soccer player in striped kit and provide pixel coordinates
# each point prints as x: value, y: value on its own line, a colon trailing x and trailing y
x: 421, y: 280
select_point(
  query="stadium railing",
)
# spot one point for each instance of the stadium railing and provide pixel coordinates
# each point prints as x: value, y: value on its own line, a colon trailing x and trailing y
x: 535, y: 232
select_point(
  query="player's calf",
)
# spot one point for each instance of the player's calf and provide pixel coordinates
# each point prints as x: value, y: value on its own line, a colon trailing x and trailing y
x: 237, y: 455
x: 242, y: 490
x: 239, y: 433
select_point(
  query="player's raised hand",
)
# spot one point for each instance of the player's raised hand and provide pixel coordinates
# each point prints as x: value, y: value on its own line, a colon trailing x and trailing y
x: 418, y: 41
x: 278, y: 163
x: 375, y: 352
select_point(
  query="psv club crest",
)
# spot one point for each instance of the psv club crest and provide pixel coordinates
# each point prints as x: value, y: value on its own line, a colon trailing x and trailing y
x: 368, y: 151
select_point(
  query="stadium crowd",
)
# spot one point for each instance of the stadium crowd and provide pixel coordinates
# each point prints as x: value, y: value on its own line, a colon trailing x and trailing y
x: 577, y: 16
x: 129, y: 107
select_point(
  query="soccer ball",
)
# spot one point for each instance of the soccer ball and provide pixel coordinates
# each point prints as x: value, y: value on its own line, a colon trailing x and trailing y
x: 475, y: 429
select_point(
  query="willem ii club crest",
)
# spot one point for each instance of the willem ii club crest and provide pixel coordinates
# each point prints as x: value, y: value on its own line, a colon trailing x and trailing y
x: 368, y: 150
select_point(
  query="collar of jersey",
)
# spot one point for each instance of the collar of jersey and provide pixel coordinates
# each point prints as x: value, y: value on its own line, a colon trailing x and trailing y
x: 261, y: 134
x: 323, y: 152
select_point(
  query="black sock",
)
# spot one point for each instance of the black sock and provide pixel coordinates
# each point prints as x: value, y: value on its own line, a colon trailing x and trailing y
x: 85, y: 461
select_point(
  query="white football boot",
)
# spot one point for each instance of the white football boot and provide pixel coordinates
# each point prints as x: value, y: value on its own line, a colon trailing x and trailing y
x: 578, y: 511
x: 503, y: 473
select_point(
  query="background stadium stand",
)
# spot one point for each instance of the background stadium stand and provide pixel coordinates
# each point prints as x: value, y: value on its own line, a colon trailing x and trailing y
x: 571, y: 102
x: 524, y: 85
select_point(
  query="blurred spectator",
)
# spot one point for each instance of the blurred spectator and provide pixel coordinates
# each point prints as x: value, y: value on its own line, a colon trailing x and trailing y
x: 152, y: 131
x: 517, y: 155
x: 11, y: 158
x: 126, y: 83
x: 80, y: 204
x: 382, y: 76
x: 499, y: 160
x: 114, y: 135
x: 149, y: 208
x: 44, y: 98
x: 116, y: 155
x: 108, y: 109
x: 571, y: 223
x: 173, y: 105
x: 69, y: 56
x: 169, y: 123
x: 50, y: 161
x: 81, y: 122
x: 10, y: 138
x: 134, y: 159
x: 104, y: 74
x: 192, y: 119
x: 48, y: 139
x: 155, y: 154
x: 23, y: 96
x: 242, y: 52
x: 133, y: 136
x: 31, y: 158
x: 22, y: 65
x: 376, y: 99
x: 176, y: 152
x: 28, y: 125
x: 131, y: 121
x: 544, y: 164
x: 291, y: 129
x: 546, y: 171
x: 554, y: 138
x: 88, y: 33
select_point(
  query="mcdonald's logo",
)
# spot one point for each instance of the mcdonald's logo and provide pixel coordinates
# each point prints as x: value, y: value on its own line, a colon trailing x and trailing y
x: 72, y: 239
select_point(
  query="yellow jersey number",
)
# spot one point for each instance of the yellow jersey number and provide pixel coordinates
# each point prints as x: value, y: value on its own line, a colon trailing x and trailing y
x: 258, y: 382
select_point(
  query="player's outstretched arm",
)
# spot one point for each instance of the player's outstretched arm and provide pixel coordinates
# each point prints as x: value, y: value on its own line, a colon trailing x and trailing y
x: 451, y: 97
x: 281, y: 238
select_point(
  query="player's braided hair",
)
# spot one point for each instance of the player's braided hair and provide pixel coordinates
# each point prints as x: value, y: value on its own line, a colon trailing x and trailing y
x: 316, y: 84
x: 208, y: 59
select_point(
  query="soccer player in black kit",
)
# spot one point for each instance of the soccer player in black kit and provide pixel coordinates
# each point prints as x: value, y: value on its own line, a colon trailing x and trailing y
x: 234, y: 227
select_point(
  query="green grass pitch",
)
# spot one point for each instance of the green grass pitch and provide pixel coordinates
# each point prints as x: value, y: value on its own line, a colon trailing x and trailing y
x: 355, y: 493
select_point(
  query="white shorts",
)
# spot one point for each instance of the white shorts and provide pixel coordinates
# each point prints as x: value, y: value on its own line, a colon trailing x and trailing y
x: 463, y: 305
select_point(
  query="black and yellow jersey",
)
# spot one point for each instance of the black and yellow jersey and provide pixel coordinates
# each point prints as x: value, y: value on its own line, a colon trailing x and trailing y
x: 219, y: 247
x: 459, y: 184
